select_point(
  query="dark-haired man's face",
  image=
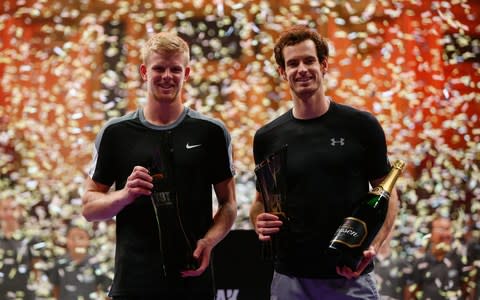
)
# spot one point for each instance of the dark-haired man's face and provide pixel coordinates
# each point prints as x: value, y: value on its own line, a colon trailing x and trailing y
x: 78, y: 241
x: 303, y: 71
x: 442, y: 235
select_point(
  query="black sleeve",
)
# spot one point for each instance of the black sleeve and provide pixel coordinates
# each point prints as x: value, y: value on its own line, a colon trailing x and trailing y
x: 473, y: 251
x: 220, y: 155
x: 258, y: 155
x: 256, y: 149
x: 417, y: 272
x: 378, y: 164
x: 101, y: 277
x: 53, y: 275
x: 102, y: 169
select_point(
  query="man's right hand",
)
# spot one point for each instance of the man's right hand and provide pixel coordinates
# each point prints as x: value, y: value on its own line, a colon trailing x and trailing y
x: 267, y: 224
x: 101, y: 204
x: 138, y: 183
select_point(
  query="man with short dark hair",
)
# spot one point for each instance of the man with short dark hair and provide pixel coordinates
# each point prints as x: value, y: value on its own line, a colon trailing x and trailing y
x: 334, y: 152
x: 439, y: 273
x: 77, y: 275
x: 16, y: 255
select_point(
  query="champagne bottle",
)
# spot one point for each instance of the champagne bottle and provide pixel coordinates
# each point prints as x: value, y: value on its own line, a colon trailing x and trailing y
x: 357, y: 231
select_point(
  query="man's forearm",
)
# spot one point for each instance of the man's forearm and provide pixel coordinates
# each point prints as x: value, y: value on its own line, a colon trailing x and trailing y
x: 222, y: 222
x: 255, y: 210
x: 101, y: 206
x: 389, y: 221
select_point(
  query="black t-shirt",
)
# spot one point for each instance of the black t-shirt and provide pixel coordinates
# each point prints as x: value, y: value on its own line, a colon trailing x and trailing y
x: 439, y: 279
x: 330, y: 161
x: 78, y: 280
x: 198, y: 153
x: 473, y: 256
x: 16, y: 263
x: 391, y: 275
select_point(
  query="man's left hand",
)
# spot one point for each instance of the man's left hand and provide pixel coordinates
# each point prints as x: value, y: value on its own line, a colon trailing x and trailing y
x: 348, y: 273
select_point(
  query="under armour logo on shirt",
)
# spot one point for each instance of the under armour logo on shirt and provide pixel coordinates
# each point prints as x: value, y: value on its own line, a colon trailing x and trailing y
x: 335, y: 142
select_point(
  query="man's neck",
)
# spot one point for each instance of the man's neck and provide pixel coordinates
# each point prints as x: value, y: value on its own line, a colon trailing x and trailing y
x: 78, y: 257
x: 162, y: 113
x: 439, y: 254
x: 9, y: 229
x: 310, y: 107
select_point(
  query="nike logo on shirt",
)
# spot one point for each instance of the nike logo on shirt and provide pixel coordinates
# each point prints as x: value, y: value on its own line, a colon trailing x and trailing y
x: 188, y: 146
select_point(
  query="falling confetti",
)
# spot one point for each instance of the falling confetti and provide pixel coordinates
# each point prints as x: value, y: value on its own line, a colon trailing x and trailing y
x: 68, y: 66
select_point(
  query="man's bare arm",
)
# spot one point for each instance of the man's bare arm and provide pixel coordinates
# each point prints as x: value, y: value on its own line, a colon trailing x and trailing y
x: 226, y: 213
x: 265, y: 224
x: 256, y: 208
x: 100, y: 204
x: 393, y: 206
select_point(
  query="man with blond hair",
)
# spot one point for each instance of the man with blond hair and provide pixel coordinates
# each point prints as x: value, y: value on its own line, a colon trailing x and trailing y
x: 163, y: 160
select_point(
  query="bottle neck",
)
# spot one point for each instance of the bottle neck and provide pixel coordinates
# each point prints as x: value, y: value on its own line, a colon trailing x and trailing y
x: 379, y: 194
x: 388, y: 183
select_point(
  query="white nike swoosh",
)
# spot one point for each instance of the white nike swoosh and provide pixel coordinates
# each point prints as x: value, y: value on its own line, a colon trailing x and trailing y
x: 192, y: 146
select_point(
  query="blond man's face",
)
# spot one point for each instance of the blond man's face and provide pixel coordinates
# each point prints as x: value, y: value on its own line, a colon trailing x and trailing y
x: 165, y: 74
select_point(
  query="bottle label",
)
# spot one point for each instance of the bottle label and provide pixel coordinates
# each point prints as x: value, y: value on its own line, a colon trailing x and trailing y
x: 352, y: 233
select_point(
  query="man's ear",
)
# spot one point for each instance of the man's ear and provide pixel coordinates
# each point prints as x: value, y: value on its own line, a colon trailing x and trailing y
x: 143, y: 71
x: 324, y: 66
x: 282, y: 73
x: 187, y: 73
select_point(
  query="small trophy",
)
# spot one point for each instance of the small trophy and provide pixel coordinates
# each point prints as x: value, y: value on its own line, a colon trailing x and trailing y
x: 271, y: 179
x: 176, y: 249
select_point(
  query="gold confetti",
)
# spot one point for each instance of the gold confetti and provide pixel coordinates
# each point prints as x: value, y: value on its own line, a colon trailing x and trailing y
x: 388, y: 57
